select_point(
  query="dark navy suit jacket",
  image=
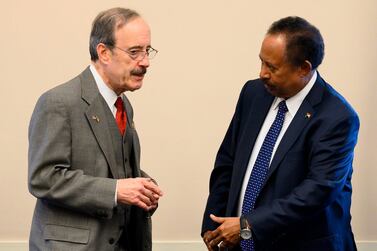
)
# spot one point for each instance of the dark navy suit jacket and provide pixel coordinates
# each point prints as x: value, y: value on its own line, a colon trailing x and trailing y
x: 305, y: 201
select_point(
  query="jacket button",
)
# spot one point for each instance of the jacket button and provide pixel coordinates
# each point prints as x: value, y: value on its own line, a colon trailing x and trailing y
x: 111, y: 241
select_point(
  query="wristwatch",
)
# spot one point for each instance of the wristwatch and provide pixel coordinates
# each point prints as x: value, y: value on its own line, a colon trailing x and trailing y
x: 245, y: 232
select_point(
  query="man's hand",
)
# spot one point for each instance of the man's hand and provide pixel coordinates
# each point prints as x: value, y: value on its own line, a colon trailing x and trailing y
x: 141, y: 192
x: 227, y: 234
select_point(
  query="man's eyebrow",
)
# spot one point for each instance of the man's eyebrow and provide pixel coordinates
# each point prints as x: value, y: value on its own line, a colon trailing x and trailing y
x: 267, y: 63
x: 138, y: 47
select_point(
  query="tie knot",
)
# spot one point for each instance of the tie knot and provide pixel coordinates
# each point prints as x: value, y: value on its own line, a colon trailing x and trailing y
x: 283, y: 107
x: 119, y: 103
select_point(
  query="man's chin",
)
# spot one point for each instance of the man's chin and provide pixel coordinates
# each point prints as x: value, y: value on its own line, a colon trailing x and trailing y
x: 136, y: 86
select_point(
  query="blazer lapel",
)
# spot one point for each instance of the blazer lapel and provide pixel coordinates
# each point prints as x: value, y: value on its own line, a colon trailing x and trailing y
x: 298, y: 123
x: 254, y: 122
x: 97, y: 118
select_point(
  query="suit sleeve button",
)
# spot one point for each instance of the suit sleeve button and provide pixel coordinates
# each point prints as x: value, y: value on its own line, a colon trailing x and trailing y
x: 111, y: 241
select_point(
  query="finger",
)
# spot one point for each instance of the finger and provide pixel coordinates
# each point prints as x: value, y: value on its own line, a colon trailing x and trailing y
x: 227, y: 244
x: 149, y: 209
x: 217, y: 237
x: 211, y: 248
x: 217, y: 219
x: 145, y: 203
x: 148, y: 183
x: 151, y: 195
x: 156, y: 196
x: 142, y: 205
x: 211, y: 235
x: 207, y: 244
x: 145, y: 199
x: 222, y: 246
x: 215, y: 242
x: 207, y: 237
x: 154, y: 188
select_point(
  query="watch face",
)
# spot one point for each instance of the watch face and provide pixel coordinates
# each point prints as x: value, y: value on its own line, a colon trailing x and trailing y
x: 245, y: 234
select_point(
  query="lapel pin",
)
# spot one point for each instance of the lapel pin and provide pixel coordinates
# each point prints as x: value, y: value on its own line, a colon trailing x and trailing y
x: 308, y: 115
x: 94, y: 117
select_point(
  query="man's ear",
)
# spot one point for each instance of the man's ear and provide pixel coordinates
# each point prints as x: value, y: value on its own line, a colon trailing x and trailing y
x: 305, y: 68
x: 103, y: 53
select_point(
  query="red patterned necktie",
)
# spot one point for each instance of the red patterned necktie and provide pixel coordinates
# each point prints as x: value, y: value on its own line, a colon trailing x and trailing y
x: 121, y: 117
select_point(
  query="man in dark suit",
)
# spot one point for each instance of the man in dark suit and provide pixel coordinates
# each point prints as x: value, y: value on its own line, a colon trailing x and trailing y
x: 84, y: 151
x: 282, y: 176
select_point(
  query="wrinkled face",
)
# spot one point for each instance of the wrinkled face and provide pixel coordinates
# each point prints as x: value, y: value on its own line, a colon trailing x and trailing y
x: 122, y: 72
x: 280, y: 78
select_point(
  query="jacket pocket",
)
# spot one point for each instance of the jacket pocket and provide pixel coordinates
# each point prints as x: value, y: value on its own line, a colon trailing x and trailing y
x: 66, y: 233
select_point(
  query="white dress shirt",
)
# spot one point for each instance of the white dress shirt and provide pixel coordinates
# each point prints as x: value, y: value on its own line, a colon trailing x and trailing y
x: 293, y: 104
x: 108, y: 94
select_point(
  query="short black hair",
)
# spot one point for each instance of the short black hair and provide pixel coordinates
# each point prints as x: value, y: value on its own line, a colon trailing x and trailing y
x: 303, y: 40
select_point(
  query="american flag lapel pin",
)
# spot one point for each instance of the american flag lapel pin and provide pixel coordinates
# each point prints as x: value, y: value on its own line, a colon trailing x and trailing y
x: 308, y: 115
x: 94, y: 117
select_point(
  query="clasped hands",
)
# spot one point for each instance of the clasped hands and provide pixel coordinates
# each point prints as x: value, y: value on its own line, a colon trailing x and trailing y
x: 141, y: 192
x: 227, y: 235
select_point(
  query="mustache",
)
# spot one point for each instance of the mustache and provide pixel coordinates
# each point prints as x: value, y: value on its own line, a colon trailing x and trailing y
x: 139, y: 72
x: 268, y: 83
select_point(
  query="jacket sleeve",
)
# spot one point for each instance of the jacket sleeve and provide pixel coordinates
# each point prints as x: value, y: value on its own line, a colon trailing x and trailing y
x: 222, y: 173
x: 51, y: 176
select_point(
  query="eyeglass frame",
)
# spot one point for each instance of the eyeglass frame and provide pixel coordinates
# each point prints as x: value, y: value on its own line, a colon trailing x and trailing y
x: 141, y: 53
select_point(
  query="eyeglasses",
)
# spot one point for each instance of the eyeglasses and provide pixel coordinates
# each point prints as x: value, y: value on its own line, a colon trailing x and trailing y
x: 138, y: 55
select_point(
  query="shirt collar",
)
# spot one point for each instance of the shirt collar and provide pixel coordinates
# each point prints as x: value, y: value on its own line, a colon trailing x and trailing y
x: 108, y: 94
x: 294, y: 103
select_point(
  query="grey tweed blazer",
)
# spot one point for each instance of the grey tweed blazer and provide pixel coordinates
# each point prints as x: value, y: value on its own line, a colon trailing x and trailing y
x: 73, y: 172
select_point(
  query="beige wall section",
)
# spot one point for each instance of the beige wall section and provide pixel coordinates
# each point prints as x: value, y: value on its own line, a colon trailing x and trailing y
x: 208, y: 49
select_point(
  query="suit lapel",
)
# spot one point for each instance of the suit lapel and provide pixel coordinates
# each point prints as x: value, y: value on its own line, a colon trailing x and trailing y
x: 97, y: 118
x: 300, y: 120
x: 255, y: 121
x: 293, y: 132
x: 249, y: 134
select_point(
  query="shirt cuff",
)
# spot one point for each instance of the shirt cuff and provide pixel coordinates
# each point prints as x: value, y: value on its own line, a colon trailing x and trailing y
x: 115, y: 196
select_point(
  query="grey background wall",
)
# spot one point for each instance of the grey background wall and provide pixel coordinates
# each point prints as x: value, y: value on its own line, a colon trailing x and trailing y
x: 207, y: 50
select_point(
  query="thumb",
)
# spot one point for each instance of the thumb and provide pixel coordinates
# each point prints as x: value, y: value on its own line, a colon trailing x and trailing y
x: 217, y: 219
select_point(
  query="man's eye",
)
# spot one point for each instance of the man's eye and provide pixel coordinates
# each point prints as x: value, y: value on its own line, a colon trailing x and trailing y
x: 134, y: 52
x: 272, y: 68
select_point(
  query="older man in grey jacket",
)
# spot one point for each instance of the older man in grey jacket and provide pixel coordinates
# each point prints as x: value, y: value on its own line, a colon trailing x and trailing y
x: 84, y: 150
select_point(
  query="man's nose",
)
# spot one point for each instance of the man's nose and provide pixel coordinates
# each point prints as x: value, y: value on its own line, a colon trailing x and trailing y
x: 144, y: 62
x: 264, y: 73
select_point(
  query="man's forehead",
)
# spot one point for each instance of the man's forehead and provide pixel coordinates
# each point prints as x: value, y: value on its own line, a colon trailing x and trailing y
x: 135, y: 32
x: 272, y: 46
